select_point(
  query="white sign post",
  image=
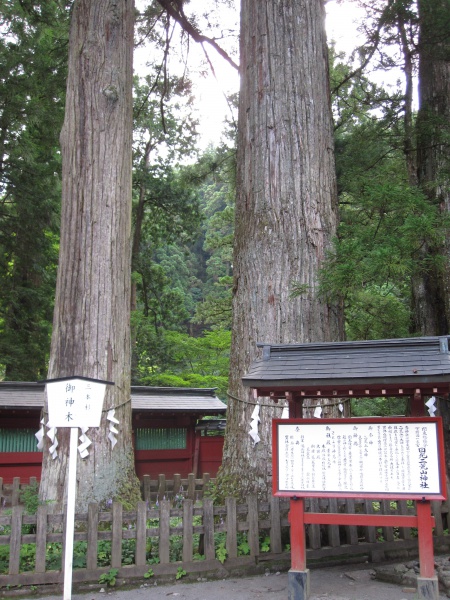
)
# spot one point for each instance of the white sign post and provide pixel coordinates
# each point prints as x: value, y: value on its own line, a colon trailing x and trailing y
x: 74, y: 402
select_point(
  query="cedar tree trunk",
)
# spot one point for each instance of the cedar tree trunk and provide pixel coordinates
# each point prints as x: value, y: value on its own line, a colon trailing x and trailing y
x: 91, y: 327
x: 286, y: 211
x: 431, y: 288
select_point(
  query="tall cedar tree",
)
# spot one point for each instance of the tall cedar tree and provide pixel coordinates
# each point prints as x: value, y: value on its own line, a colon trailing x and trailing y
x: 91, y: 327
x: 431, y: 289
x: 286, y: 211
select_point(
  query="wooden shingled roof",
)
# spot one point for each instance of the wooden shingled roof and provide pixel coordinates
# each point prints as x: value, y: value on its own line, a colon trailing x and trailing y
x: 372, y: 368
x: 29, y: 395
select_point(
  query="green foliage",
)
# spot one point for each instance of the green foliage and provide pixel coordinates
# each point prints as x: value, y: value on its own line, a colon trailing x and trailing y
x: 385, y: 221
x: 149, y: 574
x: 33, y: 51
x: 264, y: 543
x: 185, y: 361
x: 243, y: 545
x: 180, y: 573
x: 378, y: 407
x: 30, y: 498
x: 221, y: 552
x: 109, y: 578
x: 4, y: 559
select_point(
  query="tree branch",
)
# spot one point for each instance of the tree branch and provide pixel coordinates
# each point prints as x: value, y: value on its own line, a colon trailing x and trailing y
x: 179, y: 16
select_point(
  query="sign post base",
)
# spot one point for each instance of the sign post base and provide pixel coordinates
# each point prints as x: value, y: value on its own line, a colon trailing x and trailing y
x: 427, y: 588
x: 298, y: 585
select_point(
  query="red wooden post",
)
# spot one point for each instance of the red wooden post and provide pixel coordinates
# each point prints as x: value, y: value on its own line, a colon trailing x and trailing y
x: 425, y: 527
x: 417, y: 407
x: 298, y: 538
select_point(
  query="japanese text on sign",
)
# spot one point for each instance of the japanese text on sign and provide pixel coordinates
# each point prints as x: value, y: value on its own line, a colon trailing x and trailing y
x: 351, y: 456
x: 75, y: 403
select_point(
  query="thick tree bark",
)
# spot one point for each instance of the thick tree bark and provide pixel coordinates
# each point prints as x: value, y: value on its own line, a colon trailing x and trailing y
x: 91, y: 329
x: 431, y: 287
x: 286, y: 210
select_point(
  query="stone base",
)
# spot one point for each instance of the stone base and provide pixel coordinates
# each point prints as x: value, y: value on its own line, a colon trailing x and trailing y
x: 298, y: 585
x: 427, y: 588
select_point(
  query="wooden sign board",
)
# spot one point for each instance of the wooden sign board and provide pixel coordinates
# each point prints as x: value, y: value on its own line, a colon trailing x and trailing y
x: 75, y: 402
x: 400, y: 458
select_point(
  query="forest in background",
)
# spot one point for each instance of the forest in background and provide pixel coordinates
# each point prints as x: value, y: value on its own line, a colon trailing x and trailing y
x: 183, y: 199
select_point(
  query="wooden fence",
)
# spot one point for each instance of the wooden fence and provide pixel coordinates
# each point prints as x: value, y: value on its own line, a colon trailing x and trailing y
x: 166, y: 534
x: 152, y: 489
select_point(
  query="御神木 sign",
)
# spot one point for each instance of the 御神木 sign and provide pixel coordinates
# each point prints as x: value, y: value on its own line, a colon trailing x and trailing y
x: 75, y: 402
x: 368, y: 458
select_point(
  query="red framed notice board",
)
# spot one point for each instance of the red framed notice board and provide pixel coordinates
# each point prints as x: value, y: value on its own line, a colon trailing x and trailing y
x: 401, y: 457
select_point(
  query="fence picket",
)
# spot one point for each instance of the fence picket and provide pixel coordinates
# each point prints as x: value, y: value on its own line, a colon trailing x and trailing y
x: 41, y: 538
x: 333, y: 530
x: 15, y: 491
x: 370, y: 531
x: 231, y: 543
x: 388, y: 532
x: 275, y: 526
x: 15, y: 540
x: 161, y: 487
x: 164, y: 531
x: 314, y: 530
x: 351, y: 531
x: 436, y: 507
x: 92, y: 536
x: 188, y: 540
x: 176, y: 484
x: 405, y: 532
x: 253, y: 529
x: 205, y: 484
x: 141, y: 534
x: 191, y: 486
x: 146, y: 489
x: 116, y: 542
x: 208, y: 525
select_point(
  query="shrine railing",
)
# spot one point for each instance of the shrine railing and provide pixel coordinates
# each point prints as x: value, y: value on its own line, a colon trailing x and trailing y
x: 165, y: 535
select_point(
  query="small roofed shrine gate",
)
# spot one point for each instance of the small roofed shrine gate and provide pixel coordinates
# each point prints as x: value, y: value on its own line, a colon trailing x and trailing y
x: 413, y: 368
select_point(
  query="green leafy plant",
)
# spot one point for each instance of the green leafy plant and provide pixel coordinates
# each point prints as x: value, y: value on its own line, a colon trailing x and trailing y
x: 265, y: 544
x: 4, y: 560
x: 109, y: 578
x: 243, y: 545
x: 180, y: 573
x: 221, y: 552
x: 30, y: 498
x: 149, y: 574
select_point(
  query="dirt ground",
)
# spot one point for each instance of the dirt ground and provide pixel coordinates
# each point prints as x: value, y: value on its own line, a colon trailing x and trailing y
x: 333, y: 583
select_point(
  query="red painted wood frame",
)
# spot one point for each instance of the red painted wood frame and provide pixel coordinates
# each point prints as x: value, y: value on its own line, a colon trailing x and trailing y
x: 423, y: 520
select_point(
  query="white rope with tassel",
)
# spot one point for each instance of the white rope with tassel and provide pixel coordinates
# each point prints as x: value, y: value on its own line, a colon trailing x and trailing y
x: 85, y: 443
x: 431, y: 405
x: 51, y: 433
x: 40, y: 436
x: 254, y: 425
x: 112, y: 430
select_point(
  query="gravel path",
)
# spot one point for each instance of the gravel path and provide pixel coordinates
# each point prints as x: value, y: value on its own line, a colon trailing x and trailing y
x: 334, y: 583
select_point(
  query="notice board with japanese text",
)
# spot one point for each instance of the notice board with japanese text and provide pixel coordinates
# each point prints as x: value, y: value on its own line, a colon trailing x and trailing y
x: 400, y: 457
